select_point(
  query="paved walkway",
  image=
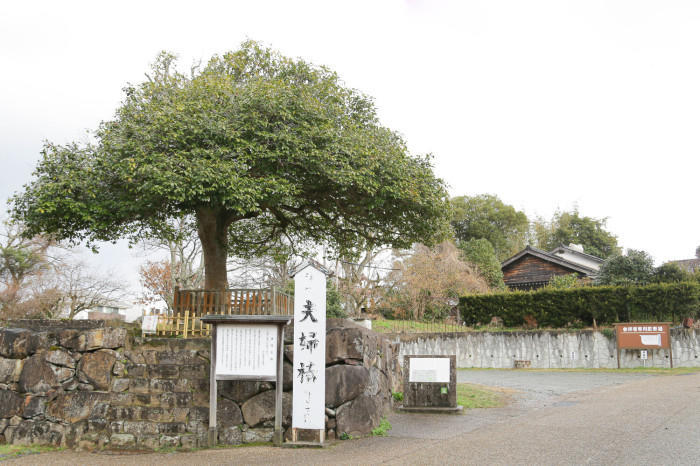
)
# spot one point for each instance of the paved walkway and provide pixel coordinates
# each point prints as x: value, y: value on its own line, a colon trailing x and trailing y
x: 633, y: 420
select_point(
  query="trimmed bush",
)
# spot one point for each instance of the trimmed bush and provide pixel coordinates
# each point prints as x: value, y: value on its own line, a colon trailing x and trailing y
x: 580, y: 306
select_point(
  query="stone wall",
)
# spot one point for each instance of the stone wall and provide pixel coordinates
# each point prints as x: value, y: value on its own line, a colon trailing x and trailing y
x: 547, y: 349
x: 94, y: 385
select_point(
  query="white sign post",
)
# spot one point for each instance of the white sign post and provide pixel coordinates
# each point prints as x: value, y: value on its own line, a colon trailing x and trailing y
x: 309, y: 396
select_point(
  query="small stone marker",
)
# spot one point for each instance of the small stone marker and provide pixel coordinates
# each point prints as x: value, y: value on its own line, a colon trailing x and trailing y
x: 430, y: 384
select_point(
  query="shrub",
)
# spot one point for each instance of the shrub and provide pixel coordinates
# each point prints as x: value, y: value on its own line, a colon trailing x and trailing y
x: 580, y: 306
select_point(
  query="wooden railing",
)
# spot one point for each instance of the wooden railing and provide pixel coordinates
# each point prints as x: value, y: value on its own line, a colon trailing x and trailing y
x: 190, y: 305
x: 243, y: 301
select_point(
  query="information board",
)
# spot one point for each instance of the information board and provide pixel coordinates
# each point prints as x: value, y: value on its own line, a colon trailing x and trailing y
x: 652, y: 335
x: 149, y: 324
x: 309, y: 396
x: 429, y: 370
x: 246, y: 350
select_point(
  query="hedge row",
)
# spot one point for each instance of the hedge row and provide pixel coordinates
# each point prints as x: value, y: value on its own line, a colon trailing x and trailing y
x: 579, y: 306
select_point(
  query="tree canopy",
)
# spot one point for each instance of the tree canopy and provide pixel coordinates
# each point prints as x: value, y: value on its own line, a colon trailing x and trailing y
x: 570, y: 227
x: 260, y: 148
x: 633, y: 268
x: 480, y: 252
x: 486, y: 216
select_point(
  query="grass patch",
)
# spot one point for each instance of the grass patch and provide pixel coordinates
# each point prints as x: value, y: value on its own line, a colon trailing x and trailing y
x: 474, y: 396
x: 382, y: 429
x: 15, y: 451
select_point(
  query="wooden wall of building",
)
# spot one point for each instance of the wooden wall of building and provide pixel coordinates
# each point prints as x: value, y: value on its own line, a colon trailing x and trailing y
x: 530, y: 269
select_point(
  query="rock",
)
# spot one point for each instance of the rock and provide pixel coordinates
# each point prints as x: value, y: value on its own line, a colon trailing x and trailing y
x: 34, y: 406
x: 228, y: 414
x: 164, y: 371
x: 188, y: 441
x: 11, y: 404
x: 345, y: 383
x: 76, y: 406
x: 10, y: 369
x: 238, y: 390
x: 378, y: 384
x: 149, y: 442
x: 356, y: 343
x: 122, y: 441
x: 18, y: 343
x: 120, y: 385
x: 38, y: 376
x: 96, y: 369
x: 289, y: 353
x: 258, y: 435
x: 330, y: 435
x: 119, y: 369
x: 169, y: 441
x: 114, y: 337
x: 330, y: 412
x: 261, y: 408
x: 230, y: 435
x: 359, y: 416
x: 81, y: 340
x: 63, y: 374
x: 287, y: 376
x: 60, y: 358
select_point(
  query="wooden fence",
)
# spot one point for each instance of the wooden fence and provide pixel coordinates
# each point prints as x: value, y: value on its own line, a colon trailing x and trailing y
x: 190, y: 305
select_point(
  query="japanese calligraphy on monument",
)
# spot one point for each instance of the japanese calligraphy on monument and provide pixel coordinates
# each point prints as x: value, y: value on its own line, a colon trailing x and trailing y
x: 246, y: 350
x: 309, y: 399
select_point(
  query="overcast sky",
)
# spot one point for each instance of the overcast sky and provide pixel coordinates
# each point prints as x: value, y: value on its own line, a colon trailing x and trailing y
x: 547, y: 104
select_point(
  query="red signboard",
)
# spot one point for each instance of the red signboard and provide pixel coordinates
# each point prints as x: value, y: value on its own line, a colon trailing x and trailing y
x: 648, y: 335
x: 643, y: 336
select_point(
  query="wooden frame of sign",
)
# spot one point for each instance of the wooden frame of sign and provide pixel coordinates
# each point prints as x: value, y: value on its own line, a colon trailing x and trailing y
x: 259, y: 341
x: 632, y: 335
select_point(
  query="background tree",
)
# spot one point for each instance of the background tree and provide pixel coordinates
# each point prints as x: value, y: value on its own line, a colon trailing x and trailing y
x: 633, y: 268
x: 256, y: 147
x: 570, y: 227
x: 334, y: 307
x: 486, y: 216
x: 480, y: 252
x: 82, y: 289
x: 40, y: 278
x: 428, y: 283
x: 671, y: 273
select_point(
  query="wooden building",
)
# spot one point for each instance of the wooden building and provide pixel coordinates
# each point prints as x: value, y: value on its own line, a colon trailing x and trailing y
x: 533, y: 268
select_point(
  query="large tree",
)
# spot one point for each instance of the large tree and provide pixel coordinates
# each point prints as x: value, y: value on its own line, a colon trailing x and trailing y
x: 571, y: 227
x: 486, y: 216
x: 257, y: 146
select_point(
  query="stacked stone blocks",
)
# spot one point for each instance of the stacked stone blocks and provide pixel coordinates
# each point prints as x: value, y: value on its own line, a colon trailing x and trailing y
x: 99, y: 387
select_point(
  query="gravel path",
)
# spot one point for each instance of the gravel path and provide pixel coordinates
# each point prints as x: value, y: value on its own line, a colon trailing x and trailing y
x: 540, y: 388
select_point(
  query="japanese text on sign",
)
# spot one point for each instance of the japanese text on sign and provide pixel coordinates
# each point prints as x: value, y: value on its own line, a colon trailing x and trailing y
x: 309, y: 395
x: 246, y: 350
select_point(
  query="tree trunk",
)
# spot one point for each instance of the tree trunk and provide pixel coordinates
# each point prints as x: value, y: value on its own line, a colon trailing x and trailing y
x: 212, y: 227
